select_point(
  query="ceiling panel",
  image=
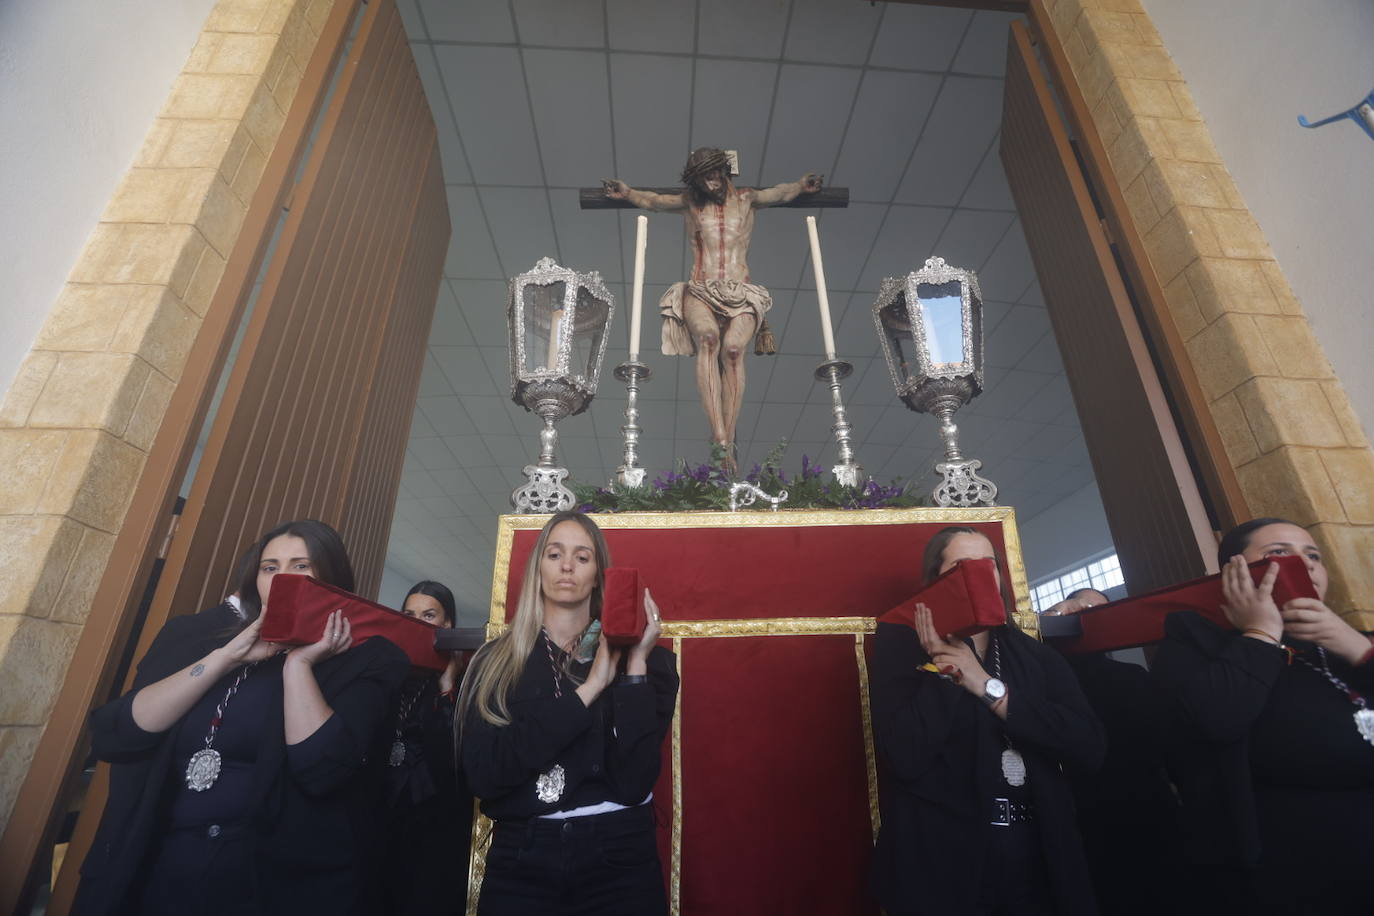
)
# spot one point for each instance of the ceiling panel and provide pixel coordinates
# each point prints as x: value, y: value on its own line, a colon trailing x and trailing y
x: 486, y: 87
x: 570, y: 96
x: 917, y: 37
x: 729, y: 28
x: 984, y: 49
x: 652, y: 97
x: 960, y: 129
x: 565, y: 23
x: 906, y: 239
x: 888, y: 115
x: 809, y: 116
x: 731, y: 105
x: 467, y: 20
x: 822, y: 30
x: 651, y: 25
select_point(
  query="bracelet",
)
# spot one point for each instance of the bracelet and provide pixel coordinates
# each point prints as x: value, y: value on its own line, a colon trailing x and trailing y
x: 1258, y: 632
x: 644, y: 678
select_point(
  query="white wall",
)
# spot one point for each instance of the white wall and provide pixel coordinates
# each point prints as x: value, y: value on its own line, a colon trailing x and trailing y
x: 1253, y: 67
x: 80, y: 84
x: 1065, y: 534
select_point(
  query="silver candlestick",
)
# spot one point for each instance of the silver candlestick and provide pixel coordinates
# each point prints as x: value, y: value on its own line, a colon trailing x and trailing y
x: 543, y: 491
x: 631, y: 372
x: 848, y: 473
x: 960, y: 484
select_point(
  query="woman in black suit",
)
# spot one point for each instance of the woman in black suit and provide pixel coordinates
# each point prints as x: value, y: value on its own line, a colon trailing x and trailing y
x: 977, y: 817
x: 238, y: 781
x: 1273, y: 743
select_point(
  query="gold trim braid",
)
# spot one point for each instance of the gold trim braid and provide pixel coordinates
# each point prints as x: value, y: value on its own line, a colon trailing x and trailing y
x: 675, y: 872
x: 870, y: 753
x: 477, y: 855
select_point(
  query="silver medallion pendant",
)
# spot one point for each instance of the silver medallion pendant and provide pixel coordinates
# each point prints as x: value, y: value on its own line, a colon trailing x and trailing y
x: 1013, y: 767
x: 398, y: 753
x: 1364, y: 723
x: 202, y: 770
x: 549, y: 786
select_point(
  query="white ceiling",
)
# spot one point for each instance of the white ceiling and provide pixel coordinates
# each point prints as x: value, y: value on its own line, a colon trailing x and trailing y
x: 899, y: 103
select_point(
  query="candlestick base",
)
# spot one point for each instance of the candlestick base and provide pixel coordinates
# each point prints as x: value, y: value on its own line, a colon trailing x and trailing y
x: 848, y: 473
x: 631, y: 372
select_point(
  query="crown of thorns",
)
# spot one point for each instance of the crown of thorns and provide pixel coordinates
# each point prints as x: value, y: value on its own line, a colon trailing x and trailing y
x: 702, y: 163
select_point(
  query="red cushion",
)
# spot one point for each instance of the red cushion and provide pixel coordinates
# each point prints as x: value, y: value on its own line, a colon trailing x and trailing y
x: 963, y: 601
x: 298, y: 608
x: 1139, y: 621
x: 623, y: 617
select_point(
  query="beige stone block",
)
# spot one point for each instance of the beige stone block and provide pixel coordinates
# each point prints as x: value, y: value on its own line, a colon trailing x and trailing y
x: 1240, y: 236
x: 243, y: 53
x: 27, y: 455
x: 1236, y: 436
x: 1130, y: 152
x: 1142, y: 207
x: 277, y: 14
x: 1145, y: 28
x: 83, y: 577
x: 1225, y: 285
x: 1096, y: 80
x: 1077, y: 52
x: 1150, y: 98
x: 285, y: 91
x: 155, y: 143
x: 1105, y: 120
x: 280, y: 55
x: 316, y: 14
x: 1191, y: 140
x: 1227, y: 353
x: 221, y: 216
x: 1181, y: 236
x: 1183, y: 307
x: 264, y: 119
x: 1118, y: 59
x: 1345, y: 414
x: 18, y: 743
x: 1175, y: 182
x: 35, y: 553
x: 1111, y: 27
x: 204, y: 282
x: 1295, y: 347
x: 1149, y: 62
x: 249, y: 173
x: 157, y: 327
x: 33, y: 663
x: 237, y: 15
x: 199, y: 145
x: 83, y: 317
x: 136, y: 253
x: 210, y: 95
x: 27, y: 386
x: 1278, y: 285
x: 187, y: 263
x: 1183, y: 98
x: 149, y: 412
x: 1223, y: 180
x: 204, y: 52
x: 160, y: 195
x: 1348, y: 552
x: 1120, y: 6
x: 1288, y: 412
x: 1066, y: 16
x: 91, y: 391
x: 1290, y: 483
x: 1352, y: 474
x: 297, y: 36
x: 93, y: 480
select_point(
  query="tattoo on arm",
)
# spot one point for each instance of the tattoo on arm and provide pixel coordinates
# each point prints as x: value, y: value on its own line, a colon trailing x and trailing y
x: 197, y: 670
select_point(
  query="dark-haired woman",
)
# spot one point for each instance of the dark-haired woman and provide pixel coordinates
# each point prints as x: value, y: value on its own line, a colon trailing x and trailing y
x: 564, y: 755
x: 1274, y: 750
x: 238, y: 782
x: 427, y: 813
x: 977, y: 816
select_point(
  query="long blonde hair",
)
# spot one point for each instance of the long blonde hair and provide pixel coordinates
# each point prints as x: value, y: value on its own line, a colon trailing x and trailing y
x: 500, y: 663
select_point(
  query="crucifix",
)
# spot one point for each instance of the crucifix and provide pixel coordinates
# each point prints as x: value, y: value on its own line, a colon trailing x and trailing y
x: 713, y: 315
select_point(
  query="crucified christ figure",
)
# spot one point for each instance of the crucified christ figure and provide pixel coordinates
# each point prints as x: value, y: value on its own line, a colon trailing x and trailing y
x: 714, y: 314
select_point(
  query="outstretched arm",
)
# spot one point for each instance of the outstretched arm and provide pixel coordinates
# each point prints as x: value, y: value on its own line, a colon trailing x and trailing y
x: 788, y: 191
x: 644, y: 200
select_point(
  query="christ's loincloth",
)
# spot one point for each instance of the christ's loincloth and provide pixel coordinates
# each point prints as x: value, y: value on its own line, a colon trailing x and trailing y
x: 728, y: 299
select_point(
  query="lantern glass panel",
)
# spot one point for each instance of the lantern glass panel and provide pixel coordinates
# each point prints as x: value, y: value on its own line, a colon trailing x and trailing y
x: 897, y: 329
x: 593, y: 315
x: 542, y: 316
x: 943, y: 317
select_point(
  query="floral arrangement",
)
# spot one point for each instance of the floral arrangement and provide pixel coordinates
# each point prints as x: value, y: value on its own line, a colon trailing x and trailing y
x: 707, y: 486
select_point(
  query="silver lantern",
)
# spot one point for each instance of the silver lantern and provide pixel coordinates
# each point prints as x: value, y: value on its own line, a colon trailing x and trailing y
x: 558, y: 320
x: 930, y: 323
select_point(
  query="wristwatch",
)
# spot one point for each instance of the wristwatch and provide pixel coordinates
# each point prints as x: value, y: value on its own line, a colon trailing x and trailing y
x: 993, y: 691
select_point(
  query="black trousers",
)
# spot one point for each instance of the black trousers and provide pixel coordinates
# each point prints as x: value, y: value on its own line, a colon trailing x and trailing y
x: 1014, y: 880
x: 601, y: 865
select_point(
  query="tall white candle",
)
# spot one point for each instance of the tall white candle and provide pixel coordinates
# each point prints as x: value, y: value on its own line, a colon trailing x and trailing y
x: 555, y: 325
x: 821, y: 294
x: 637, y: 300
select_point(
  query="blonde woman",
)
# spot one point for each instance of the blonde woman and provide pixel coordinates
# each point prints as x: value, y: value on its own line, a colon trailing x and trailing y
x: 564, y: 754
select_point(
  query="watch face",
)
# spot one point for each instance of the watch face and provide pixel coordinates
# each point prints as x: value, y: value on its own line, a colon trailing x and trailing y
x: 994, y: 689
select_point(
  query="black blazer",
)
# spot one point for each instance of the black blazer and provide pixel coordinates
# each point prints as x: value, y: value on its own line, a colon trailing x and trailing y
x: 610, y: 751
x: 310, y: 800
x: 940, y: 773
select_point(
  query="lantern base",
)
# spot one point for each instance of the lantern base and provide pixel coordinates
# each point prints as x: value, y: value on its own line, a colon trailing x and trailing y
x: 544, y: 493
x: 962, y: 487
